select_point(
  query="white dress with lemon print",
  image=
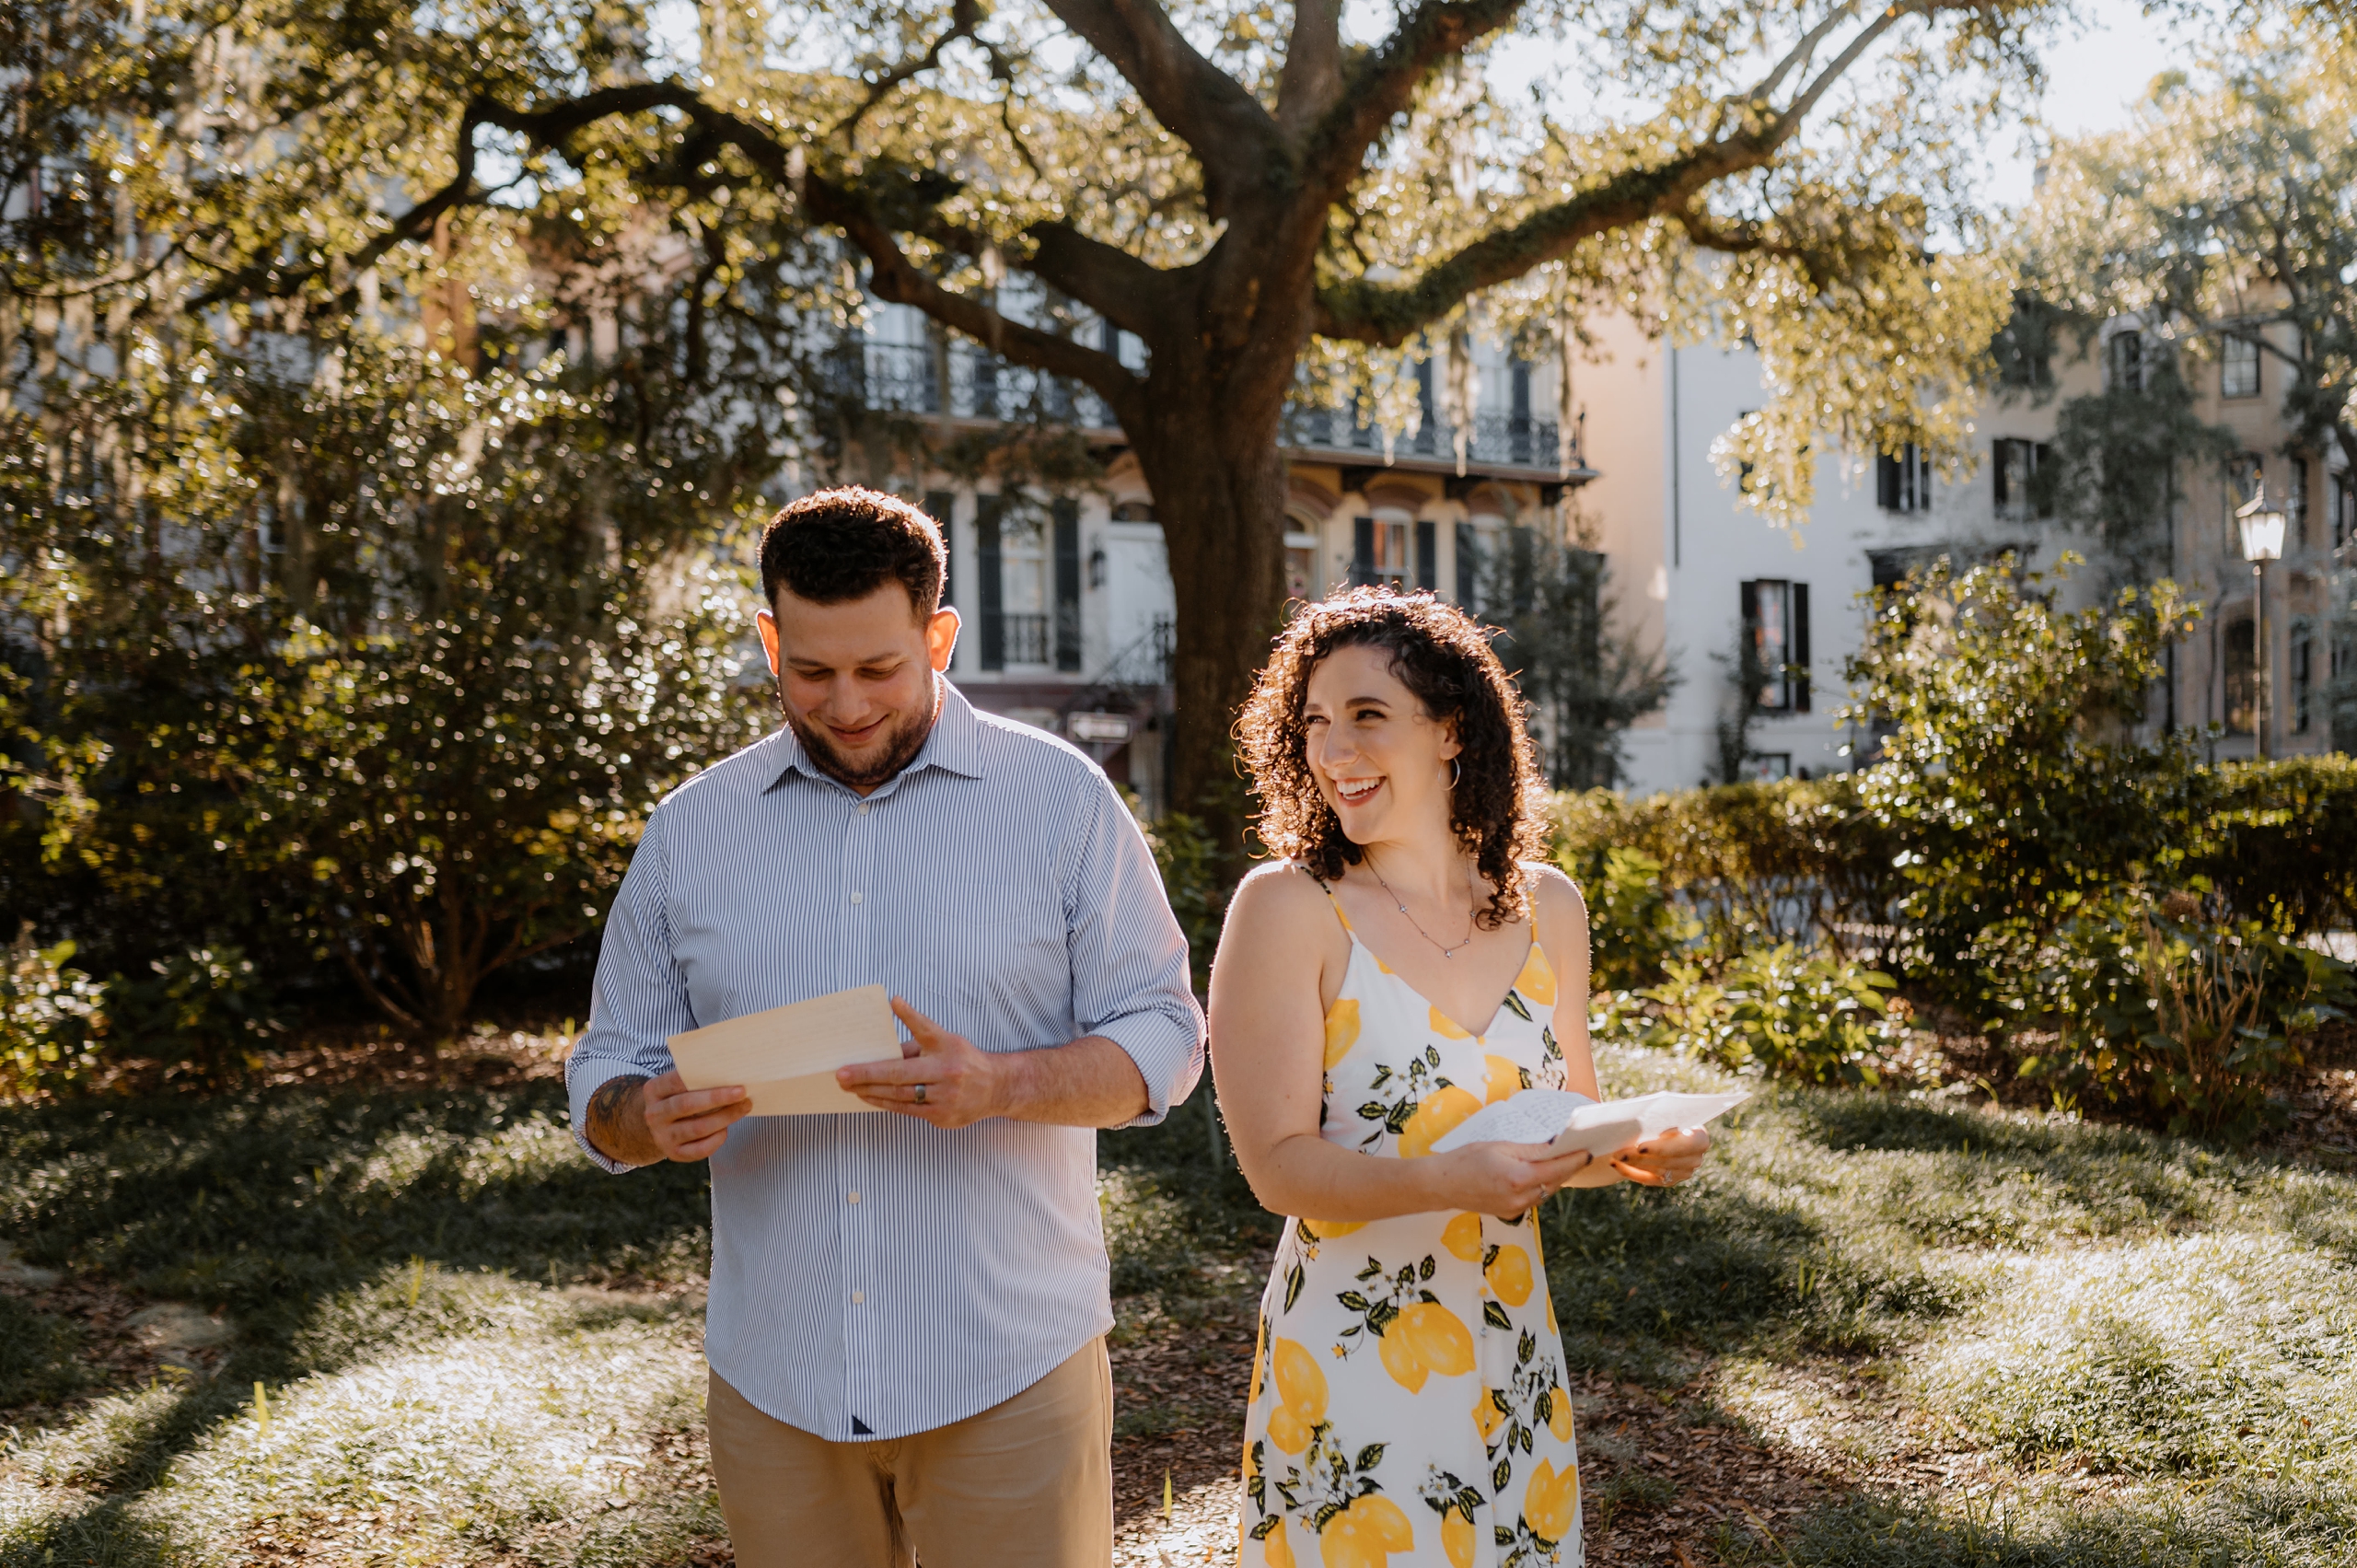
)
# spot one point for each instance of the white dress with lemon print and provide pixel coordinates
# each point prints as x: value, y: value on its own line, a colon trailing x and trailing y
x: 1408, y: 1403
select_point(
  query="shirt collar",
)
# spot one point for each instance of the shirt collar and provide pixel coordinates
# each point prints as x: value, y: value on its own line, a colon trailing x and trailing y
x: 955, y: 745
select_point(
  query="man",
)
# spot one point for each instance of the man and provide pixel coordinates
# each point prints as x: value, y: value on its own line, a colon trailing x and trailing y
x: 907, y: 1316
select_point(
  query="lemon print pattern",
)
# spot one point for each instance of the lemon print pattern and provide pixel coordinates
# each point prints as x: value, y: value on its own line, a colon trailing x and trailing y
x: 1408, y: 1404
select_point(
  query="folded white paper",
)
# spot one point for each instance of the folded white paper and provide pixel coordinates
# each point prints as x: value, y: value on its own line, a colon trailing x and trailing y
x: 786, y: 1057
x: 1572, y: 1121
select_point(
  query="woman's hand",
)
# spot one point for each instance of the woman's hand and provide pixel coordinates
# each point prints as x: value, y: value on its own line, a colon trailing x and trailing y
x: 1504, y: 1180
x: 1664, y: 1161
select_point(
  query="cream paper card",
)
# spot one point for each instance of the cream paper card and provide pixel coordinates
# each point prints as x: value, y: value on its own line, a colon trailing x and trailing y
x: 1572, y: 1121
x: 786, y: 1057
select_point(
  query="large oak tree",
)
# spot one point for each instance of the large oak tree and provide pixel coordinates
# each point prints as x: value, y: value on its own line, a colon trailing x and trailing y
x: 1278, y: 210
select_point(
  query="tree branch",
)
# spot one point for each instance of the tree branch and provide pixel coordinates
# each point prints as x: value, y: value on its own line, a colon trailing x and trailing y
x: 1081, y: 268
x: 1801, y: 53
x: 964, y: 17
x: 1312, y: 77
x: 1224, y: 126
x: 1382, y: 83
x: 1372, y: 313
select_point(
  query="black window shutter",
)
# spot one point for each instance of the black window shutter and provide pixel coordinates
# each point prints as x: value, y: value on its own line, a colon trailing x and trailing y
x: 991, y: 589
x: 1797, y: 685
x: 1362, y: 549
x: 941, y: 506
x: 2002, y: 449
x: 1469, y: 565
x: 1067, y: 520
x: 1885, y: 490
x: 1751, y: 616
x: 1427, y: 557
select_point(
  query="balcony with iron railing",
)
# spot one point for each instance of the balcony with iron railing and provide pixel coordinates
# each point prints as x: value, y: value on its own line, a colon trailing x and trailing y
x: 961, y: 382
x: 1519, y: 443
x: 956, y: 381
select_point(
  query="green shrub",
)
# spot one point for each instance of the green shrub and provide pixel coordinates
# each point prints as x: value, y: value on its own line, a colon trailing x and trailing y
x: 2182, y: 1015
x: 1797, y: 860
x: 1635, y: 927
x: 2279, y: 840
x: 2009, y: 782
x: 48, y: 1013
x: 1810, y: 1016
x: 204, y: 1008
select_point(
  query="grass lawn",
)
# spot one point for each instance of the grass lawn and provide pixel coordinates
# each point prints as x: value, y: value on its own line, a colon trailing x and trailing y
x: 1879, y: 1332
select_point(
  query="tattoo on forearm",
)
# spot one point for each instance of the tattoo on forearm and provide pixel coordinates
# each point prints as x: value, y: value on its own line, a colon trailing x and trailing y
x: 606, y: 1106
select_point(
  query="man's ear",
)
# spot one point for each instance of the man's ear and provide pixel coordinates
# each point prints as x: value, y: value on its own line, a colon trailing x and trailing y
x: 768, y: 624
x: 940, y: 638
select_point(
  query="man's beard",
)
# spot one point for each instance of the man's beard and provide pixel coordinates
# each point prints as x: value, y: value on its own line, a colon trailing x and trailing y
x: 905, y: 740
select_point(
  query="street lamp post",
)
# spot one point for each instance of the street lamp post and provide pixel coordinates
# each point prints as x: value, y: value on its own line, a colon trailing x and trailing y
x: 2262, y: 528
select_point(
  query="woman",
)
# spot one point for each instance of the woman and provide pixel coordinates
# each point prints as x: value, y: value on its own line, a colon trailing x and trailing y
x: 1400, y: 967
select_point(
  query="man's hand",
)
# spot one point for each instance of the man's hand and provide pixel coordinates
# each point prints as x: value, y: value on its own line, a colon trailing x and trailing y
x: 643, y: 1121
x: 941, y: 1078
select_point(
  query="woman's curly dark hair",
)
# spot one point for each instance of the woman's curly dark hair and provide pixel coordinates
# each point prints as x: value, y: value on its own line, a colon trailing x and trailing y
x: 1442, y: 655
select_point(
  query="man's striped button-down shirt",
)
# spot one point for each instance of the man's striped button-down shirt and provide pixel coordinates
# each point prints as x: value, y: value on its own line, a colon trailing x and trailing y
x: 872, y: 1276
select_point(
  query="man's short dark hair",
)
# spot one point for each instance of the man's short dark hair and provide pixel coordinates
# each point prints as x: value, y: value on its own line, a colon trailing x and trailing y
x: 840, y: 545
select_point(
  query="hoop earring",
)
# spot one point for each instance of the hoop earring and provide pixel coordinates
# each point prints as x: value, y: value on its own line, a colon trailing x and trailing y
x: 1457, y: 772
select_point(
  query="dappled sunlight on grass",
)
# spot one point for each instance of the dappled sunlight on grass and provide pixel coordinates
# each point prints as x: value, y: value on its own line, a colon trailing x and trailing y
x: 487, y: 1419
x: 2199, y: 1354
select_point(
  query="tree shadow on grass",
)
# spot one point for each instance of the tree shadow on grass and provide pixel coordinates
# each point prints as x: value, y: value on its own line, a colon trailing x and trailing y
x: 272, y: 1205
x: 99, y: 1535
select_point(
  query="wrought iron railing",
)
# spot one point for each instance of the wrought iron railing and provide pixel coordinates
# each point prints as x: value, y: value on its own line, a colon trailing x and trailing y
x: 961, y: 380
x: 1497, y: 440
x: 1022, y: 639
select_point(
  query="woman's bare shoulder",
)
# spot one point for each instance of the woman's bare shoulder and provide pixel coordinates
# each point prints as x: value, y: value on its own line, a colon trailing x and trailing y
x: 1278, y: 894
x: 1553, y: 894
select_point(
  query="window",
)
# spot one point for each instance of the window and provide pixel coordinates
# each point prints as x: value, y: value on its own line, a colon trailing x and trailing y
x: 1379, y: 552
x: 1769, y: 766
x: 2303, y: 670
x: 2344, y: 509
x: 1903, y: 480
x: 2241, y: 664
x: 1775, y: 623
x: 1469, y: 566
x: 2018, y: 463
x: 2238, y: 366
x: 2124, y: 362
x: 2295, y: 505
x: 1519, y: 447
x: 1427, y: 556
x: 1301, y: 565
x: 1012, y: 560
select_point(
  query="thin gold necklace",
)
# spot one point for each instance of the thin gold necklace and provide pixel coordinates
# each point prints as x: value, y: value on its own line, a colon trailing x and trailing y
x: 1444, y: 952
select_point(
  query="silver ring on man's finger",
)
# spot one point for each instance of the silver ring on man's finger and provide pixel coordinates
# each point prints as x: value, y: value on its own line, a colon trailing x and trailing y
x: 919, y: 1096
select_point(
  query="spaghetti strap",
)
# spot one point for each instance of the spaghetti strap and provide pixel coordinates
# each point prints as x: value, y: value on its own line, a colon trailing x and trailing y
x: 1348, y: 929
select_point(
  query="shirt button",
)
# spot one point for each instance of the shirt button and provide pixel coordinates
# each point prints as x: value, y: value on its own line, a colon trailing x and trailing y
x: 863, y: 806
x: 855, y: 1198
x: 856, y: 897
x: 858, y: 1297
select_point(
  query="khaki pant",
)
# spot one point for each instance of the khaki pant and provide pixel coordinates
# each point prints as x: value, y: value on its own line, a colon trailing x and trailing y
x: 1027, y: 1483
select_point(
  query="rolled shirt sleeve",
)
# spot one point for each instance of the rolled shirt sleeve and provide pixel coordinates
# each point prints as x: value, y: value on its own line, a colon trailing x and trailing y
x: 639, y: 999
x: 1130, y: 978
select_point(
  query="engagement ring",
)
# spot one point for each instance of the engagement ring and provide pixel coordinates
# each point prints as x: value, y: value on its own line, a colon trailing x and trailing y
x: 919, y: 1094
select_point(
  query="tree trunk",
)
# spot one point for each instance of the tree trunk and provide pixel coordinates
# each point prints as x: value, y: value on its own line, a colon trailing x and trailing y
x: 1209, y: 452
